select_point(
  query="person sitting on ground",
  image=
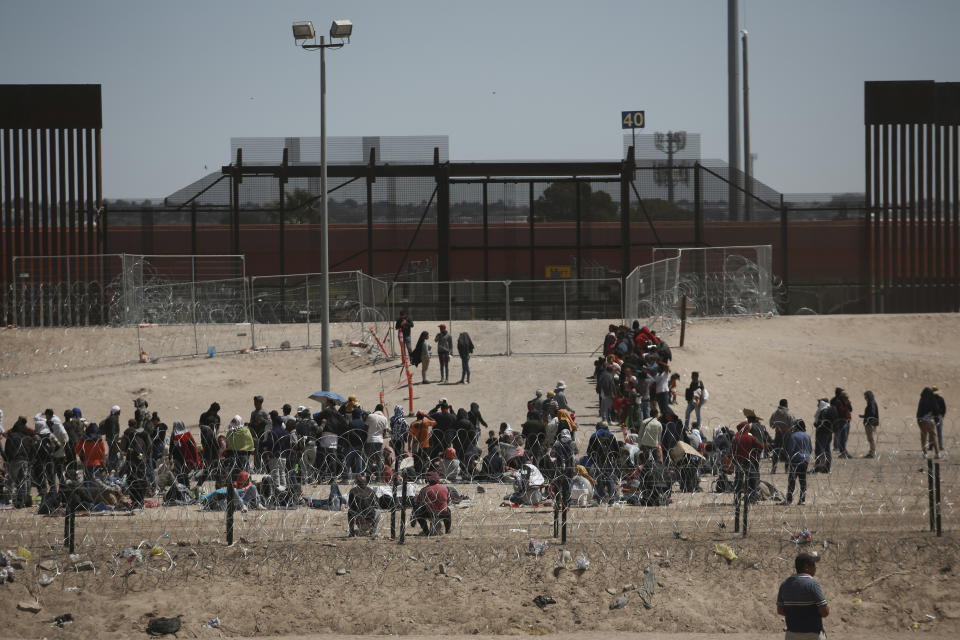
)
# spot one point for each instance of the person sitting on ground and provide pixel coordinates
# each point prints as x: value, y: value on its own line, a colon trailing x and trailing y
x: 247, y: 494
x: 581, y: 486
x: 432, y: 504
x: 528, y: 482
x: 363, y: 508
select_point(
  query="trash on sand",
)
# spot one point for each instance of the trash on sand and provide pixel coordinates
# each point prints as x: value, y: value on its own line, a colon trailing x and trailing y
x: 518, y: 530
x: 163, y: 626
x: 536, y: 548
x: 620, y: 602
x: 45, y: 580
x: 582, y: 563
x: 856, y: 601
x: 63, y: 619
x: 802, y: 537
x: 543, y: 601
x: 725, y: 551
x: 132, y: 555
x: 213, y: 624
x: 156, y: 551
x: 32, y: 607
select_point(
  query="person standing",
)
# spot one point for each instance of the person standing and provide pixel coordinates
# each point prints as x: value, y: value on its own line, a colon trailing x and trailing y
x: 110, y: 429
x: 871, y: 421
x: 746, y: 454
x: 824, y: 422
x: 421, y: 355
x: 662, y: 385
x: 798, y: 447
x: 20, y: 450
x: 377, y: 424
x: 464, y: 349
x: 927, y: 420
x: 941, y: 412
x: 444, y: 348
x: 841, y: 402
x: 606, y: 387
x: 801, y: 602
x: 403, y: 325
x: 696, y: 396
x: 781, y: 421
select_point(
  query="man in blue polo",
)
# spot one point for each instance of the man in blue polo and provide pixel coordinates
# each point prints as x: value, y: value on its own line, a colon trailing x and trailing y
x: 801, y: 601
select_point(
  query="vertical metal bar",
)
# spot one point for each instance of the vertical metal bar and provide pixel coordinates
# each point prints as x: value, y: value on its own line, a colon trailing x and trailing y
x: 63, y: 197
x: 937, y: 502
x: 486, y: 240
x: 626, y: 177
x: 737, y: 498
x: 746, y: 506
x: 930, y: 490
x: 579, y: 213
x: 892, y: 209
x: 903, y: 196
x: 403, y: 513
x: 565, y: 349
x: 6, y: 222
x: 683, y: 319
x: 231, y: 496
x: 306, y: 289
x: 18, y: 220
x: 929, y: 213
x: 533, y: 242
x: 36, y: 261
x: 915, y: 154
x: 72, y: 227
x: 45, y: 262
x: 733, y: 108
x: 785, y: 253
x: 955, y: 217
x: 936, y: 298
x: 371, y: 176
x: 879, y: 283
x: 885, y: 201
x: 193, y: 295
x: 870, y: 219
x: 506, y: 284
x: 697, y: 207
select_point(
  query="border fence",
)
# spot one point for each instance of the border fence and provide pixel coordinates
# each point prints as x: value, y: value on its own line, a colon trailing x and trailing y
x: 716, y: 281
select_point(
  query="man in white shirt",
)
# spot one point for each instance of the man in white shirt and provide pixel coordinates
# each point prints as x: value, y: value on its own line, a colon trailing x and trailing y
x: 377, y: 424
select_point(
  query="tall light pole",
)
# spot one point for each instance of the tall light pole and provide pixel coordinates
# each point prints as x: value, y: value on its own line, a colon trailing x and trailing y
x: 302, y: 32
x: 733, y: 109
x: 747, y: 168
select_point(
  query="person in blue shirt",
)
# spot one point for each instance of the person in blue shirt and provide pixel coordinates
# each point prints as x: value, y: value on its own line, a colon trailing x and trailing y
x: 801, y: 602
x: 798, y: 447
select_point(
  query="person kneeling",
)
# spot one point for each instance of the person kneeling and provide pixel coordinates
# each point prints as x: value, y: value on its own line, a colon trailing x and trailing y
x: 433, y: 506
x: 363, y: 509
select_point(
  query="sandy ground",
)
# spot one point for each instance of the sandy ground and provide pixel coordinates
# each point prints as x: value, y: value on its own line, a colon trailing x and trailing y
x: 882, y: 571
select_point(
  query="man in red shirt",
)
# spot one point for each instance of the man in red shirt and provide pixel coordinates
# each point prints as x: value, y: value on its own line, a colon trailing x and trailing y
x: 432, y: 504
x: 746, y: 455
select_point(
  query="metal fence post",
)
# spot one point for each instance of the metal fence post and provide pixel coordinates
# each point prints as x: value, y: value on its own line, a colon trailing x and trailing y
x: 506, y: 283
x: 306, y: 290
x: 450, y: 305
x: 13, y: 267
x: 193, y: 303
x: 252, y: 311
x: 564, y: 285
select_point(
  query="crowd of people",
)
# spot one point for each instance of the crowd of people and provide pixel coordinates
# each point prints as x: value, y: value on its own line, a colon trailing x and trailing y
x: 129, y: 463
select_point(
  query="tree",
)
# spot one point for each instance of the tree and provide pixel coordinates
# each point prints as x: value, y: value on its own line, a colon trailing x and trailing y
x: 558, y: 202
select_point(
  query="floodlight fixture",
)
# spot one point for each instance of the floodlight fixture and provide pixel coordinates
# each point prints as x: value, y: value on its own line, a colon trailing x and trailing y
x: 341, y: 29
x: 303, y: 30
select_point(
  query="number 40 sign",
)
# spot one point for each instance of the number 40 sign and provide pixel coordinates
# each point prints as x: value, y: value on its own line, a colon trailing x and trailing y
x: 631, y: 119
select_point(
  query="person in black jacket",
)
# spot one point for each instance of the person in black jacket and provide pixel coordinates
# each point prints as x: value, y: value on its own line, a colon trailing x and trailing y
x: 825, y: 422
x: 927, y: 420
x: 871, y: 420
x: 20, y: 450
x: 604, y: 452
x: 464, y: 349
x: 941, y: 412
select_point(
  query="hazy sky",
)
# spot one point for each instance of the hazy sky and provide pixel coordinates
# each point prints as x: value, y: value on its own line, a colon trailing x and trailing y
x: 504, y: 80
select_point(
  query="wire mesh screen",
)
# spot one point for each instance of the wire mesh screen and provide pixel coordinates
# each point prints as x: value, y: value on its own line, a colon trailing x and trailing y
x: 652, y: 292
x: 725, y: 281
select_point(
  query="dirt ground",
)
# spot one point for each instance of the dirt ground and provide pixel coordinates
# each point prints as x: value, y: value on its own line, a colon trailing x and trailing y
x: 295, y: 574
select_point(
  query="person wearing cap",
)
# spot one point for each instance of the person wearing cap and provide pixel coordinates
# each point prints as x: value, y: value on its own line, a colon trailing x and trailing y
x: 797, y: 451
x: 432, y: 504
x: 444, y: 342
x: 801, y: 602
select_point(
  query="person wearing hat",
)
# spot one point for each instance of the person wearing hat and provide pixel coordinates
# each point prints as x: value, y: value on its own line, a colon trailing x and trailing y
x: 444, y: 342
x: 801, y: 602
x: 433, y: 505
x: 560, y: 396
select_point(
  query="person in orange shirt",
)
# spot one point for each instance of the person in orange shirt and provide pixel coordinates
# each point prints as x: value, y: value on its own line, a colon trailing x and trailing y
x: 418, y: 442
x: 92, y: 451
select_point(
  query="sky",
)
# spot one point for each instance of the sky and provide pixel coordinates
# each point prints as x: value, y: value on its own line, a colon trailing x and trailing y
x: 505, y: 80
